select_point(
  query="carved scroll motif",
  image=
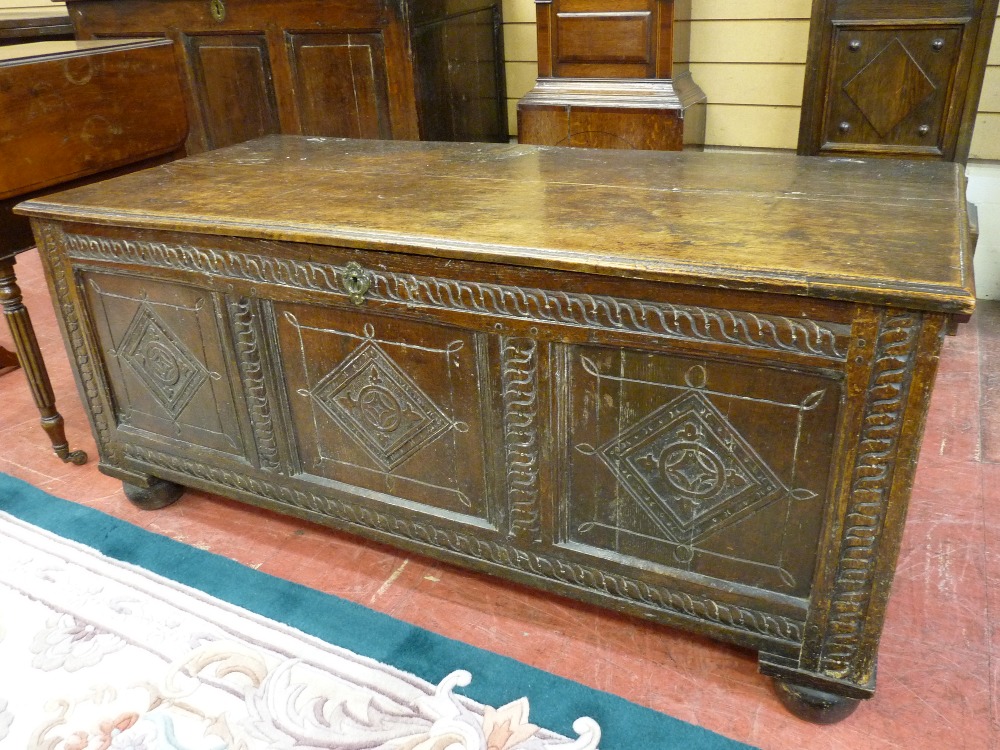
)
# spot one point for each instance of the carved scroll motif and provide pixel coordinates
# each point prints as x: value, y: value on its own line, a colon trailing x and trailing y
x: 242, y: 314
x: 363, y: 515
x: 871, y: 483
x: 55, y: 241
x: 520, y: 411
x: 669, y: 321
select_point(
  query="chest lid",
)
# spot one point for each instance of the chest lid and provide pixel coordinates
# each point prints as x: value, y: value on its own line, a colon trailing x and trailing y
x: 879, y: 231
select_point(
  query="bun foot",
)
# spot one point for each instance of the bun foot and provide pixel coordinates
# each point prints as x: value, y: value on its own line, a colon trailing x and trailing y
x: 815, y: 705
x: 159, y: 494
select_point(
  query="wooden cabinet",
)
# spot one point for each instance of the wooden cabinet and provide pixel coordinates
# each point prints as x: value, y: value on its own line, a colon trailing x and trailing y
x: 664, y: 383
x: 609, y: 76
x: 895, y: 78
x: 355, y: 69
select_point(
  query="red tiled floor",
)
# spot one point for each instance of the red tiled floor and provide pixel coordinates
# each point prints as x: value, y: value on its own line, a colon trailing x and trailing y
x: 939, y: 684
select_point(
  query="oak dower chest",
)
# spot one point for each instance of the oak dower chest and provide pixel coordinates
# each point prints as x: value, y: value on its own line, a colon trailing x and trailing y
x: 690, y: 387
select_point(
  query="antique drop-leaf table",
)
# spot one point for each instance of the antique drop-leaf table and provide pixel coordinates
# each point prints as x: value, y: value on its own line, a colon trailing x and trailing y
x: 690, y: 387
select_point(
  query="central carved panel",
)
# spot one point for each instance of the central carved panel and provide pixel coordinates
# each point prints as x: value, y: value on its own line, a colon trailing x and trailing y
x: 163, y: 363
x: 380, y: 406
x: 689, y: 468
x: 707, y: 466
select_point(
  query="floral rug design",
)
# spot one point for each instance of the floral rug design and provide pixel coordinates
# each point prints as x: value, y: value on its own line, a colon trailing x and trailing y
x: 98, y: 654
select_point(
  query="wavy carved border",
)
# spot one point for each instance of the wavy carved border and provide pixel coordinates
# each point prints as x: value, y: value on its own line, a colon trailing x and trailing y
x: 519, y: 381
x: 679, y: 322
x: 242, y: 312
x: 574, y: 574
x: 871, y: 482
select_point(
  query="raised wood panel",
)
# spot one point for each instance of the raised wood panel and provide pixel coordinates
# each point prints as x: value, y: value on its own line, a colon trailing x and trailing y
x: 341, y: 84
x: 390, y: 417
x: 894, y: 85
x: 233, y: 74
x: 910, y: 9
x: 895, y: 78
x: 611, y: 40
x: 625, y: 498
x: 168, y: 362
x: 375, y: 49
x: 603, y: 6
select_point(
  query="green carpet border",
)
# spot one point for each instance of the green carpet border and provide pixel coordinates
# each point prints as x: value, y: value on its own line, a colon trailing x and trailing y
x: 496, y: 679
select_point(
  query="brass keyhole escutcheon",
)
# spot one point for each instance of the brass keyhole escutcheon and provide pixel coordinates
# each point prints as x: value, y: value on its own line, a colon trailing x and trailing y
x: 217, y: 9
x: 356, y: 282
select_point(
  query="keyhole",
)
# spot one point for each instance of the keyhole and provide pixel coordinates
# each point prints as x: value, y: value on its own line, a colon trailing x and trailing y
x: 217, y: 9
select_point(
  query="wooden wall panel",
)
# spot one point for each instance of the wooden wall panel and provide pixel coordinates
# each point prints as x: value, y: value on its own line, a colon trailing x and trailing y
x: 749, y: 59
x: 723, y: 55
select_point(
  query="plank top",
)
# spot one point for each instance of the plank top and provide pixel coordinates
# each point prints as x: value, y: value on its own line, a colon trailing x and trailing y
x: 878, y: 231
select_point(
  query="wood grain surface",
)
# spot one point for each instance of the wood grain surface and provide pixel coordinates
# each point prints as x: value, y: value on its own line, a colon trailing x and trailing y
x: 870, y: 231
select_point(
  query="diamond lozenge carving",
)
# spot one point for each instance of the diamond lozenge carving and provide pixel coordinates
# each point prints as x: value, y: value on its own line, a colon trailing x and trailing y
x: 161, y: 361
x: 380, y: 406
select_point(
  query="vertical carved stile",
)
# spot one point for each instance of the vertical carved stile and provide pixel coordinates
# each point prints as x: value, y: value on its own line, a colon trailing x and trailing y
x: 871, y: 483
x: 53, y: 246
x: 242, y: 312
x: 521, y: 445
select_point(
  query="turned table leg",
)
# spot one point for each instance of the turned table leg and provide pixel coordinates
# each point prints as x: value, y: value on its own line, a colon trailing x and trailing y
x: 30, y: 357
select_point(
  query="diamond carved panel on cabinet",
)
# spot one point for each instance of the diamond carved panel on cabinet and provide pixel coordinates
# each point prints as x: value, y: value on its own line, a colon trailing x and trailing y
x: 895, y: 78
x: 168, y: 367
x: 161, y: 361
x: 380, y: 406
x: 892, y: 63
x: 376, y: 409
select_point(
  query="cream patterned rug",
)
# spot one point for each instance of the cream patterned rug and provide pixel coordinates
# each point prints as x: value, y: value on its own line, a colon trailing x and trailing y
x: 97, y: 653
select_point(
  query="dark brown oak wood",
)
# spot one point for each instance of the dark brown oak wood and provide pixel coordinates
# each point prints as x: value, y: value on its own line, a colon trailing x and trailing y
x: 366, y: 68
x: 69, y: 111
x: 690, y: 387
x: 608, y: 77
x: 897, y: 78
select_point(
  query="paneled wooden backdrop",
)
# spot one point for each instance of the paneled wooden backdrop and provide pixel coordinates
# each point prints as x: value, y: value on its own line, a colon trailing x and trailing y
x: 749, y: 59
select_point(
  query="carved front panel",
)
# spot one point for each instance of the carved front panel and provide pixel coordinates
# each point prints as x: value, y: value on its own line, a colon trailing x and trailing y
x: 697, y: 465
x: 165, y: 358
x: 389, y: 406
